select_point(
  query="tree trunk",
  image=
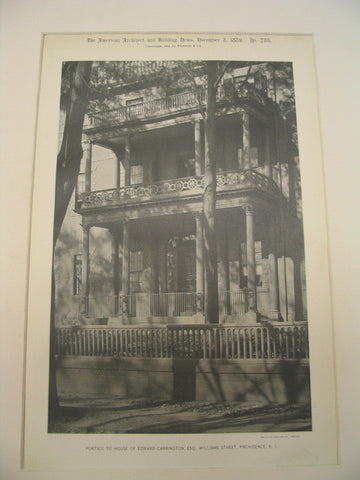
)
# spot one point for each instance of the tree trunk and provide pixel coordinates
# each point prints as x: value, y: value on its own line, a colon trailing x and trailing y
x: 69, y: 157
x: 67, y: 170
x: 211, y: 306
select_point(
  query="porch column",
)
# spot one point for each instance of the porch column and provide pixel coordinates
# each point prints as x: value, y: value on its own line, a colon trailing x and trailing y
x: 224, y: 285
x: 246, y: 140
x: 198, y: 148
x: 274, y: 312
x: 85, y: 287
x: 154, y: 266
x: 127, y: 162
x: 88, y: 159
x: 162, y: 266
x: 125, y: 259
x: 199, y: 261
x: 199, y: 253
x: 115, y: 270
x: 117, y: 172
x: 176, y: 265
x: 172, y: 303
x: 153, y: 301
x: 250, y: 258
x: 268, y: 166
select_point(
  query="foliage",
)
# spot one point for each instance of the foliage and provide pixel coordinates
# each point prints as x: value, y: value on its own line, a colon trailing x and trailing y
x: 281, y: 83
x: 111, y: 78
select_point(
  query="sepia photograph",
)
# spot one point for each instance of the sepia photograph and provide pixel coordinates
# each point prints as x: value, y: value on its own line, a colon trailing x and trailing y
x: 178, y: 299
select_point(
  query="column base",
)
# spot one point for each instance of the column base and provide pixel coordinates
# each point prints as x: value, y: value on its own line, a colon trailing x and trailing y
x: 84, y: 307
x: 91, y: 321
x: 119, y: 321
x: 199, y: 317
x: 275, y: 316
x: 252, y: 317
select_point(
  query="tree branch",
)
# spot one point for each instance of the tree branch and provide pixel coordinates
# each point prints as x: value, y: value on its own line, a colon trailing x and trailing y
x: 218, y: 80
x: 191, y: 77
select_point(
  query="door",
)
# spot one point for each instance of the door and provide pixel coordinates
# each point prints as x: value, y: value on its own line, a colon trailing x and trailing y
x: 187, y: 278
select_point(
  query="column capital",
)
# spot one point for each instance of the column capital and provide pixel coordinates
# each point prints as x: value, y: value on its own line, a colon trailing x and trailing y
x: 114, y: 231
x: 128, y: 137
x: 198, y: 215
x: 174, y: 242
x: 85, y: 227
x: 249, y: 209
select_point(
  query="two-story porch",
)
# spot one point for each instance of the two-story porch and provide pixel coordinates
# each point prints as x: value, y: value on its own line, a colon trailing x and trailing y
x: 154, y: 214
x: 157, y: 249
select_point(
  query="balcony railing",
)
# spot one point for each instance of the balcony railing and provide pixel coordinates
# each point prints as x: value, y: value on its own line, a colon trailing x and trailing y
x: 152, y: 108
x: 237, y: 180
x: 170, y: 104
x: 177, y: 304
x: 278, y: 341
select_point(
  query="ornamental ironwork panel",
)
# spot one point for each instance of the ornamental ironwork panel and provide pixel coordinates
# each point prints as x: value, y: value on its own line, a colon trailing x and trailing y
x: 246, y: 179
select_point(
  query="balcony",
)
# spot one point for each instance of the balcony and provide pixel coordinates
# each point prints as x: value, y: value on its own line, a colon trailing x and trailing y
x: 183, y: 102
x: 177, y: 188
x: 180, y: 102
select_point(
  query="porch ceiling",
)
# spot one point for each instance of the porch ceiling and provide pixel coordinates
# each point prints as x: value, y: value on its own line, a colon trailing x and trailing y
x: 145, y: 134
x: 148, y: 134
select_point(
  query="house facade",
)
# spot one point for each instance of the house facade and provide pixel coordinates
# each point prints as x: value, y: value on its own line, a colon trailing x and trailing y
x: 131, y: 250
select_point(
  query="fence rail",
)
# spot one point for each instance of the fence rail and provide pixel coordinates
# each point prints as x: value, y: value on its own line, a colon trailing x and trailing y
x: 187, y: 341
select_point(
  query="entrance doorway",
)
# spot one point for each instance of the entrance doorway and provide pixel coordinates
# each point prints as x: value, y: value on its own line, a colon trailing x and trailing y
x: 186, y: 266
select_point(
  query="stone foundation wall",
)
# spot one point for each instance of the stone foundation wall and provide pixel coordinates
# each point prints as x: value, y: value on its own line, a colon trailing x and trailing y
x: 265, y: 381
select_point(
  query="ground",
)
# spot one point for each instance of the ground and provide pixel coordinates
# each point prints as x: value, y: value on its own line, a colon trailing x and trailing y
x: 114, y: 415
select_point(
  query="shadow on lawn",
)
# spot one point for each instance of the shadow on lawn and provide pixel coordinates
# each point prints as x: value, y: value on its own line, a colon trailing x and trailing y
x: 267, y: 419
x: 154, y: 420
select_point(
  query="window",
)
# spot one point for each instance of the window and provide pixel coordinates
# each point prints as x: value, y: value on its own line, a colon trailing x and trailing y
x: 240, y: 158
x: 185, y: 167
x: 260, y: 82
x: 255, y: 161
x: 136, y: 174
x: 136, y: 267
x: 77, y: 273
x: 135, y: 107
x: 80, y: 186
x: 134, y: 101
